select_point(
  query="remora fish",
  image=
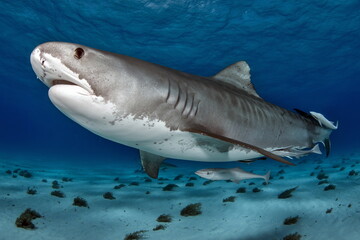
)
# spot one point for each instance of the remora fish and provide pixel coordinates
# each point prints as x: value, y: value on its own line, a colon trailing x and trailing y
x: 233, y: 174
x: 170, y: 114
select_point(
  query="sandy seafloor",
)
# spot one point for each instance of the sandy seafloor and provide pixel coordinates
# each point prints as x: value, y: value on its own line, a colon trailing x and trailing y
x: 251, y: 216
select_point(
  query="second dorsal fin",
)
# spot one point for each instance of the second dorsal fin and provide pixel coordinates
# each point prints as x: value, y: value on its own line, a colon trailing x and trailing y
x: 238, y: 75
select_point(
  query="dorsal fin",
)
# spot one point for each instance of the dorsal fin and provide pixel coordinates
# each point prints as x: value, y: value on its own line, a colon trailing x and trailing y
x: 306, y: 115
x: 238, y: 75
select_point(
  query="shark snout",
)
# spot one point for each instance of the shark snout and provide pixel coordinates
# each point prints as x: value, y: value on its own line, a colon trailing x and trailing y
x: 200, y: 173
x: 48, y: 63
x: 205, y: 174
x: 37, y: 64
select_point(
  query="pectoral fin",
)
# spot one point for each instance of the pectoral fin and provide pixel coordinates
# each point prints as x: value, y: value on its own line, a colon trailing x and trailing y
x: 151, y: 163
x: 242, y: 144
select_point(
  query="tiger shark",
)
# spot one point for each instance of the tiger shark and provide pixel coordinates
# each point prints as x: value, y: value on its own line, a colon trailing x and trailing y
x: 166, y: 113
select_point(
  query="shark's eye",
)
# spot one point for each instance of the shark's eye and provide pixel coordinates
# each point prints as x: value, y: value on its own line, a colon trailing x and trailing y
x: 207, y: 173
x: 79, y: 52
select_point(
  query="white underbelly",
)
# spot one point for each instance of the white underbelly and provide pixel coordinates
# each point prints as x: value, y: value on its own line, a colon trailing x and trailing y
x: 153, y: 136
x: 182, y: 145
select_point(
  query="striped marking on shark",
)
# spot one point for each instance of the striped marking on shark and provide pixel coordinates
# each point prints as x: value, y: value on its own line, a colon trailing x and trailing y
x: 166, y: 113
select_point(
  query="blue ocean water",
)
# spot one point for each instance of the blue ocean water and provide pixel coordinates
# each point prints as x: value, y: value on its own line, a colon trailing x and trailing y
x: 302, y: 54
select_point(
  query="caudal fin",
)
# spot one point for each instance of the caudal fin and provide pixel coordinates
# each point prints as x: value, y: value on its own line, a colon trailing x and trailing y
x: 267, y: 177
x: 327, y: 125
x: 327, y: 146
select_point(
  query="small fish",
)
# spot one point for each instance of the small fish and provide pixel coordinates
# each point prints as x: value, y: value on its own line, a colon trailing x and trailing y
x: 233, y: 174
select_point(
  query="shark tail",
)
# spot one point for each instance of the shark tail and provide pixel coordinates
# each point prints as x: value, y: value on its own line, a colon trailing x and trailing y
x: 267, y: 177
x: 328, y: 126
x: 327, y: 145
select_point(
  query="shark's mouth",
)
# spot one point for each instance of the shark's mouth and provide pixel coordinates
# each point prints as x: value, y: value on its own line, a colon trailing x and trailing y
x: 73, y: 82
x: 61, y: 82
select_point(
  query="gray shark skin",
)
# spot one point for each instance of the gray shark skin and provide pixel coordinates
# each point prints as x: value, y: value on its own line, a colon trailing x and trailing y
x: 128, y: 100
